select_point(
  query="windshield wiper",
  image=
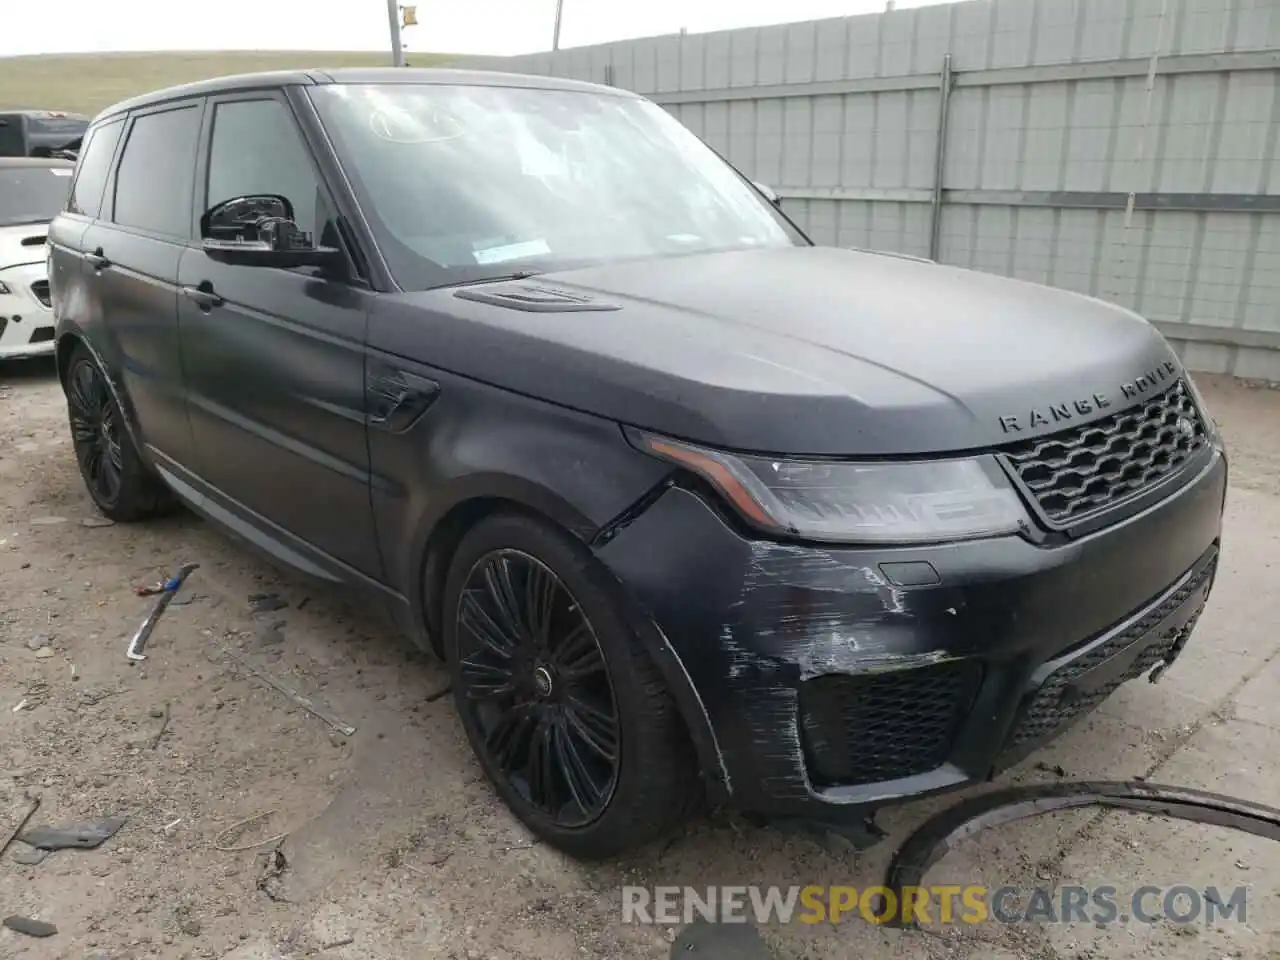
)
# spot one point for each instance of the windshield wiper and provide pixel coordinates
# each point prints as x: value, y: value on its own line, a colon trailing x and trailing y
x: 496, y: 278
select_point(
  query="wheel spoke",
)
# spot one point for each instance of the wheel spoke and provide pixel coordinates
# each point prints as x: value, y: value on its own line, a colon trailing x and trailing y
x: 542, y: 771
x: 497, y: 578
x: 492, y: 635
x: 586, y: 791
x: 82, y: 431
x: 91, y: 460
x: 506, y: 741
x: 578, y: 655
x: 596, y: 728
x: 540, y: 590
x: 486, y: 681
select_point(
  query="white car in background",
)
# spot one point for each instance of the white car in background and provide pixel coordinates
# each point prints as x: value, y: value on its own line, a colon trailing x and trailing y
x: 32, y: 192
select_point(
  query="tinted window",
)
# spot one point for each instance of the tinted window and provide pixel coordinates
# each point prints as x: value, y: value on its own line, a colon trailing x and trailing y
x: 95, y: 162
x: 153, y: 182
x: 256, y: 148
x: 32, y: 194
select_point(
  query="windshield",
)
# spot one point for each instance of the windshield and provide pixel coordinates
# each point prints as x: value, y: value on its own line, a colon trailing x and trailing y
x: 32, y: 194
x: 468, y: 182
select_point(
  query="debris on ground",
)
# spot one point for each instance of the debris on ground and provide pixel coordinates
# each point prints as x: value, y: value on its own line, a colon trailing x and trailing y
x: 720, y: 941
x: 226, y: 841
x: 40, y: 641
x: 32, y: 928
x: 1055, y: 768
x: 33, y: 804
x: 306, y: 703
x: 47, y: 521
x: 30, y: 856
x: 139, y: 640
x: 44, y: 653
x: 266, y: 602
x: 97, y: 522
x: 163, y: 717
x: 271, y: 880
x: 271, y: 634
x: 79, y: 836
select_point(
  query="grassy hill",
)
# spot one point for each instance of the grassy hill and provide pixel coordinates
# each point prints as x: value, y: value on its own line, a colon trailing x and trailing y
x: 86, y: 83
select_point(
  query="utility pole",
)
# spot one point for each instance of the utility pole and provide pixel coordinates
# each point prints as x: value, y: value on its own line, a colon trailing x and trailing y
x: 393, y: 18
x: 555, y: 36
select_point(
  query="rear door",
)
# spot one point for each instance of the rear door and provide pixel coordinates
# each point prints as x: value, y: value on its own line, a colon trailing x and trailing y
x: 74, y: 305
x: 131, y: 253
x: 275, y: 358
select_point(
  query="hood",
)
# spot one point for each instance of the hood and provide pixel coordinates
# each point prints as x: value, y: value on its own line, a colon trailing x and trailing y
x: 23, y: 243
x: 805, y: 350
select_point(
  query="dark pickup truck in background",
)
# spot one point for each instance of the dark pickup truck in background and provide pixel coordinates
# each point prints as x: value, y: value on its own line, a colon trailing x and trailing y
x: 41, y: 133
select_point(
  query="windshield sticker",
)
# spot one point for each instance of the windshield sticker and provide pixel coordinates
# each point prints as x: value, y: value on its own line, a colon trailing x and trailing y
x: 512, y: 251
x: 60, y: 171
x: 401, y: 126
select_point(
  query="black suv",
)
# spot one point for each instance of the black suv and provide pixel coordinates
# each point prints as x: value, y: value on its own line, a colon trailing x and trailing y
x: 691, y: 507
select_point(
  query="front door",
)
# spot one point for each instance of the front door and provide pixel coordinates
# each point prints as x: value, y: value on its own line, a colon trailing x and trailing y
x: 275, y: 358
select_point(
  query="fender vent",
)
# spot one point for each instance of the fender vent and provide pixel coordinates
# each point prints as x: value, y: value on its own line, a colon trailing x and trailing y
x: 33, y: 241
x: 535, y: 298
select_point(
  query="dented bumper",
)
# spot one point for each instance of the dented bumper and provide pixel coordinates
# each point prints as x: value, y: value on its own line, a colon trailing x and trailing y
x: 823, y: 679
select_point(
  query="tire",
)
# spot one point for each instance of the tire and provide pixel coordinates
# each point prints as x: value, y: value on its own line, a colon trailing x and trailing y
x: 654, y: 785
x: 104, y: 448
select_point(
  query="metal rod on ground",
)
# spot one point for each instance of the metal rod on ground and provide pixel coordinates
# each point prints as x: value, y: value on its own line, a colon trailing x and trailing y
x: 555, y: 35
x: 393, y: 18
x: 940, y: 162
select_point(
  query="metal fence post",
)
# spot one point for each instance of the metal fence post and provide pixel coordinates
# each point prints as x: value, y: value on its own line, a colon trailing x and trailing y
x: 940, y: 162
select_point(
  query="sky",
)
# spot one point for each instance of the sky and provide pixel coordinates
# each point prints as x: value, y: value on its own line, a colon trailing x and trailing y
x: 447, y: 26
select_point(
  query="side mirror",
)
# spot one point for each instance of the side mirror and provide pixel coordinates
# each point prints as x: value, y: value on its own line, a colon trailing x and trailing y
x: 768, y: 194
x: 259, y: 231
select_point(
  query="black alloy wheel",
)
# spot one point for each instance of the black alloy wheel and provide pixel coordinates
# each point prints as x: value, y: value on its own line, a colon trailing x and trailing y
x: 95, y: 432
x: 534, y: 681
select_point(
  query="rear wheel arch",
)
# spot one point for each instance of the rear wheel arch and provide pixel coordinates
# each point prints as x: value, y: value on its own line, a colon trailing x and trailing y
x: 62, y: 354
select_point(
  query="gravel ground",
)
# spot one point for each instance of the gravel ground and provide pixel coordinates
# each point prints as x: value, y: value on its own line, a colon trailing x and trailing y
x: 394, y: 847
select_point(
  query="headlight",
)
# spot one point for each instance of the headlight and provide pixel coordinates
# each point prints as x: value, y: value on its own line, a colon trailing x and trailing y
x: 867, y: 502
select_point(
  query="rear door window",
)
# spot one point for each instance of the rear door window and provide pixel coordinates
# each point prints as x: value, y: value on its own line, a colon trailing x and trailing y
x: 156, y: 172
x: 95, y: 164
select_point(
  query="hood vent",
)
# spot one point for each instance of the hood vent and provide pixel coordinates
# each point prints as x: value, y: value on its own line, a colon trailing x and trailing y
x: 535, y: 298
x: 33, y: 241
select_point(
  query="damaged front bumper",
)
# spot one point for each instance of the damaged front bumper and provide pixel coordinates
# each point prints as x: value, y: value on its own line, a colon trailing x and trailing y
x: 825, y: 681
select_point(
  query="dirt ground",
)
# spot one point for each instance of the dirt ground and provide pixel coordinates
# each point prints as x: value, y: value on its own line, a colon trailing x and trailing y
x: 394, y: 847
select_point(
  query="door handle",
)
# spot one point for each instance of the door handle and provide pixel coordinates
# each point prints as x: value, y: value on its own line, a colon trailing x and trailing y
x: 97, y: 259
x: 203, y: 296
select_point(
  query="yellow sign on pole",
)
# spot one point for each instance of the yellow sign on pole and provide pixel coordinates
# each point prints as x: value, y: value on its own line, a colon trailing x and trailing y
x: 410, y: 15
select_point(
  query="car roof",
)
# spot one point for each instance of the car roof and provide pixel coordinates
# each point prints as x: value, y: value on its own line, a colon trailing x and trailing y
x: 43, y: 114
x: 320, y: 77
x: 6, y: 162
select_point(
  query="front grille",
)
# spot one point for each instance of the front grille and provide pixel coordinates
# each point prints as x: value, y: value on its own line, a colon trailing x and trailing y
x: 43, y: 335
x: 883, y: 726
x: 1055, y: 704
x: 1089, y: 468
x: 41, y: 289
